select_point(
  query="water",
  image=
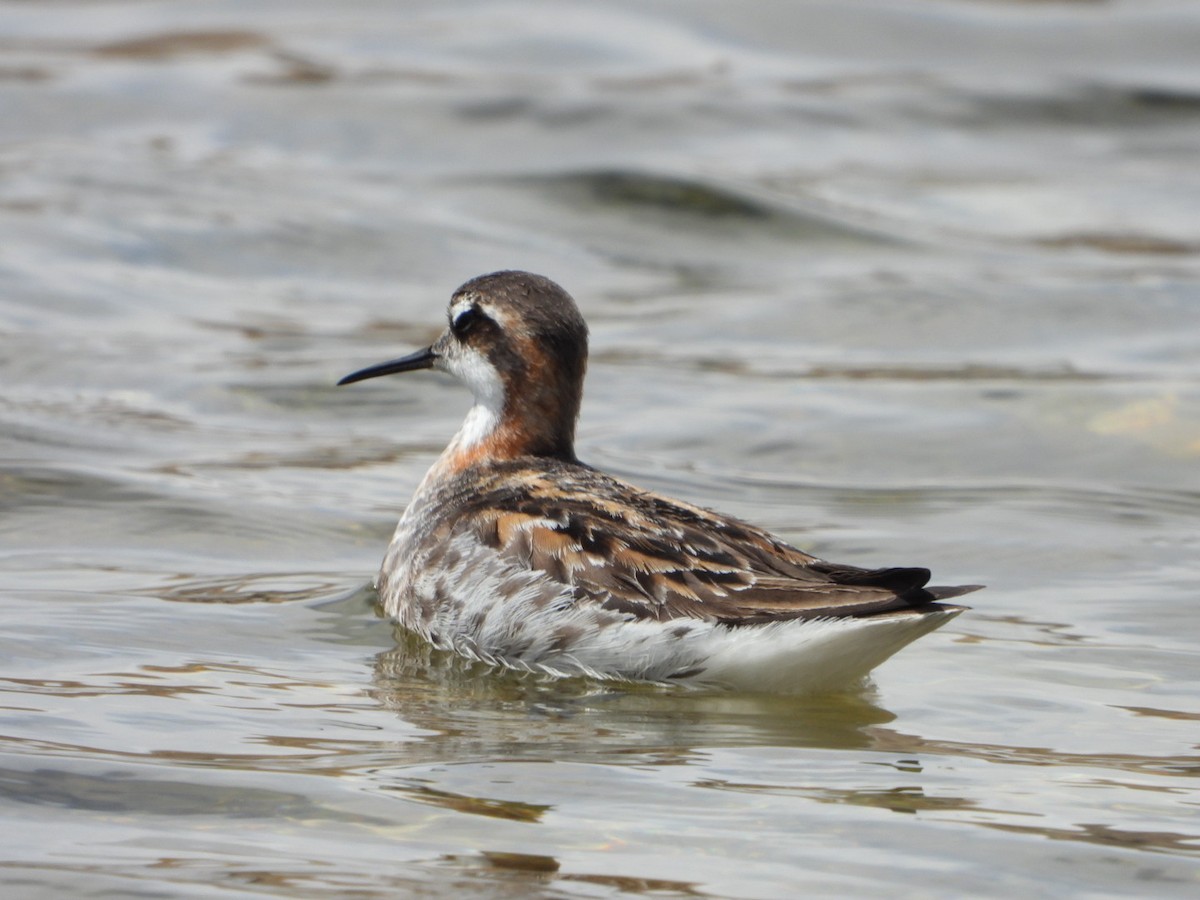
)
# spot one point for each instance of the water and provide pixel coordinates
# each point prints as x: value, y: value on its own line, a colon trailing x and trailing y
x: 909, y: 283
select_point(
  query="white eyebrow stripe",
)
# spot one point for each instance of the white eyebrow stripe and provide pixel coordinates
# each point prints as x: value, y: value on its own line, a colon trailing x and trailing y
x: 495, y: 313
x: 460, y: 306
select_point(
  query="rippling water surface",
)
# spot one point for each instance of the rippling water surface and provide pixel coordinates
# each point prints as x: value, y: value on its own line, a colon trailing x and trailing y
x: 909, y: 283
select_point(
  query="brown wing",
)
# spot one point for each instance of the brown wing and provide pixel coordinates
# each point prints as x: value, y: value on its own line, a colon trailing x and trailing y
x: 651, y: 557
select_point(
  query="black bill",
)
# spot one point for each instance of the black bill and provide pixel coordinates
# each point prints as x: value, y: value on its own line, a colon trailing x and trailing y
x: 422, y: 359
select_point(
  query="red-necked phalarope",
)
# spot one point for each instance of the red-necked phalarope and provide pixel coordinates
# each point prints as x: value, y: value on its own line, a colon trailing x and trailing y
x: 514, y: 552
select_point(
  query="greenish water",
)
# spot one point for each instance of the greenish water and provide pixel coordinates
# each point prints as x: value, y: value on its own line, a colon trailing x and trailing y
x: 908, y: 283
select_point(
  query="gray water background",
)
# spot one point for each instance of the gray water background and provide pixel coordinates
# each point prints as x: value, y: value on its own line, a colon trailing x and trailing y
x: 908, y: 283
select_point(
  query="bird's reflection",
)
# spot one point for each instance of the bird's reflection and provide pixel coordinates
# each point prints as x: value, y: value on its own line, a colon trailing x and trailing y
x: 471, y: 709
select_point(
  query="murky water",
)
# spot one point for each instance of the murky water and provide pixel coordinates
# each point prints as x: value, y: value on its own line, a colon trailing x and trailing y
x: 909, y: 283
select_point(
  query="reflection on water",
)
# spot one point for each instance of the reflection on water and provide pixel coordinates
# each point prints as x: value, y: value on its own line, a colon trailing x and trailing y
x: 865, y: 274
x: 265, y: 588
x: 462, y: 702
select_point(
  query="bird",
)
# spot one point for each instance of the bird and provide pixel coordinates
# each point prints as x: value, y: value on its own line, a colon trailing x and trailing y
x: 515, y: 553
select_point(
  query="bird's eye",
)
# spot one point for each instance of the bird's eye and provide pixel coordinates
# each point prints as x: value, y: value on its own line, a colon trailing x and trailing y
x: 465, y: 321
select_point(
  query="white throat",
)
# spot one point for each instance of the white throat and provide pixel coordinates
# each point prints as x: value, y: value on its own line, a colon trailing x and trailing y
x: 480, y: 422
x: 474, y: 370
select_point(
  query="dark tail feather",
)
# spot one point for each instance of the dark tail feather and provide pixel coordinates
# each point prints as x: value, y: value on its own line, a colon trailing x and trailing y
x: 907, y: 583
x: 896, y: 579
x: 945, y: 593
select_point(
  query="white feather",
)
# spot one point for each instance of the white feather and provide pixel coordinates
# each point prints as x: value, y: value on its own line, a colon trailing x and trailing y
x: 494, y: 611
x: 474, y: 370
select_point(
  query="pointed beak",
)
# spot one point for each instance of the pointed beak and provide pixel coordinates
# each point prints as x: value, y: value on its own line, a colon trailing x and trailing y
x: 422, y: 359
